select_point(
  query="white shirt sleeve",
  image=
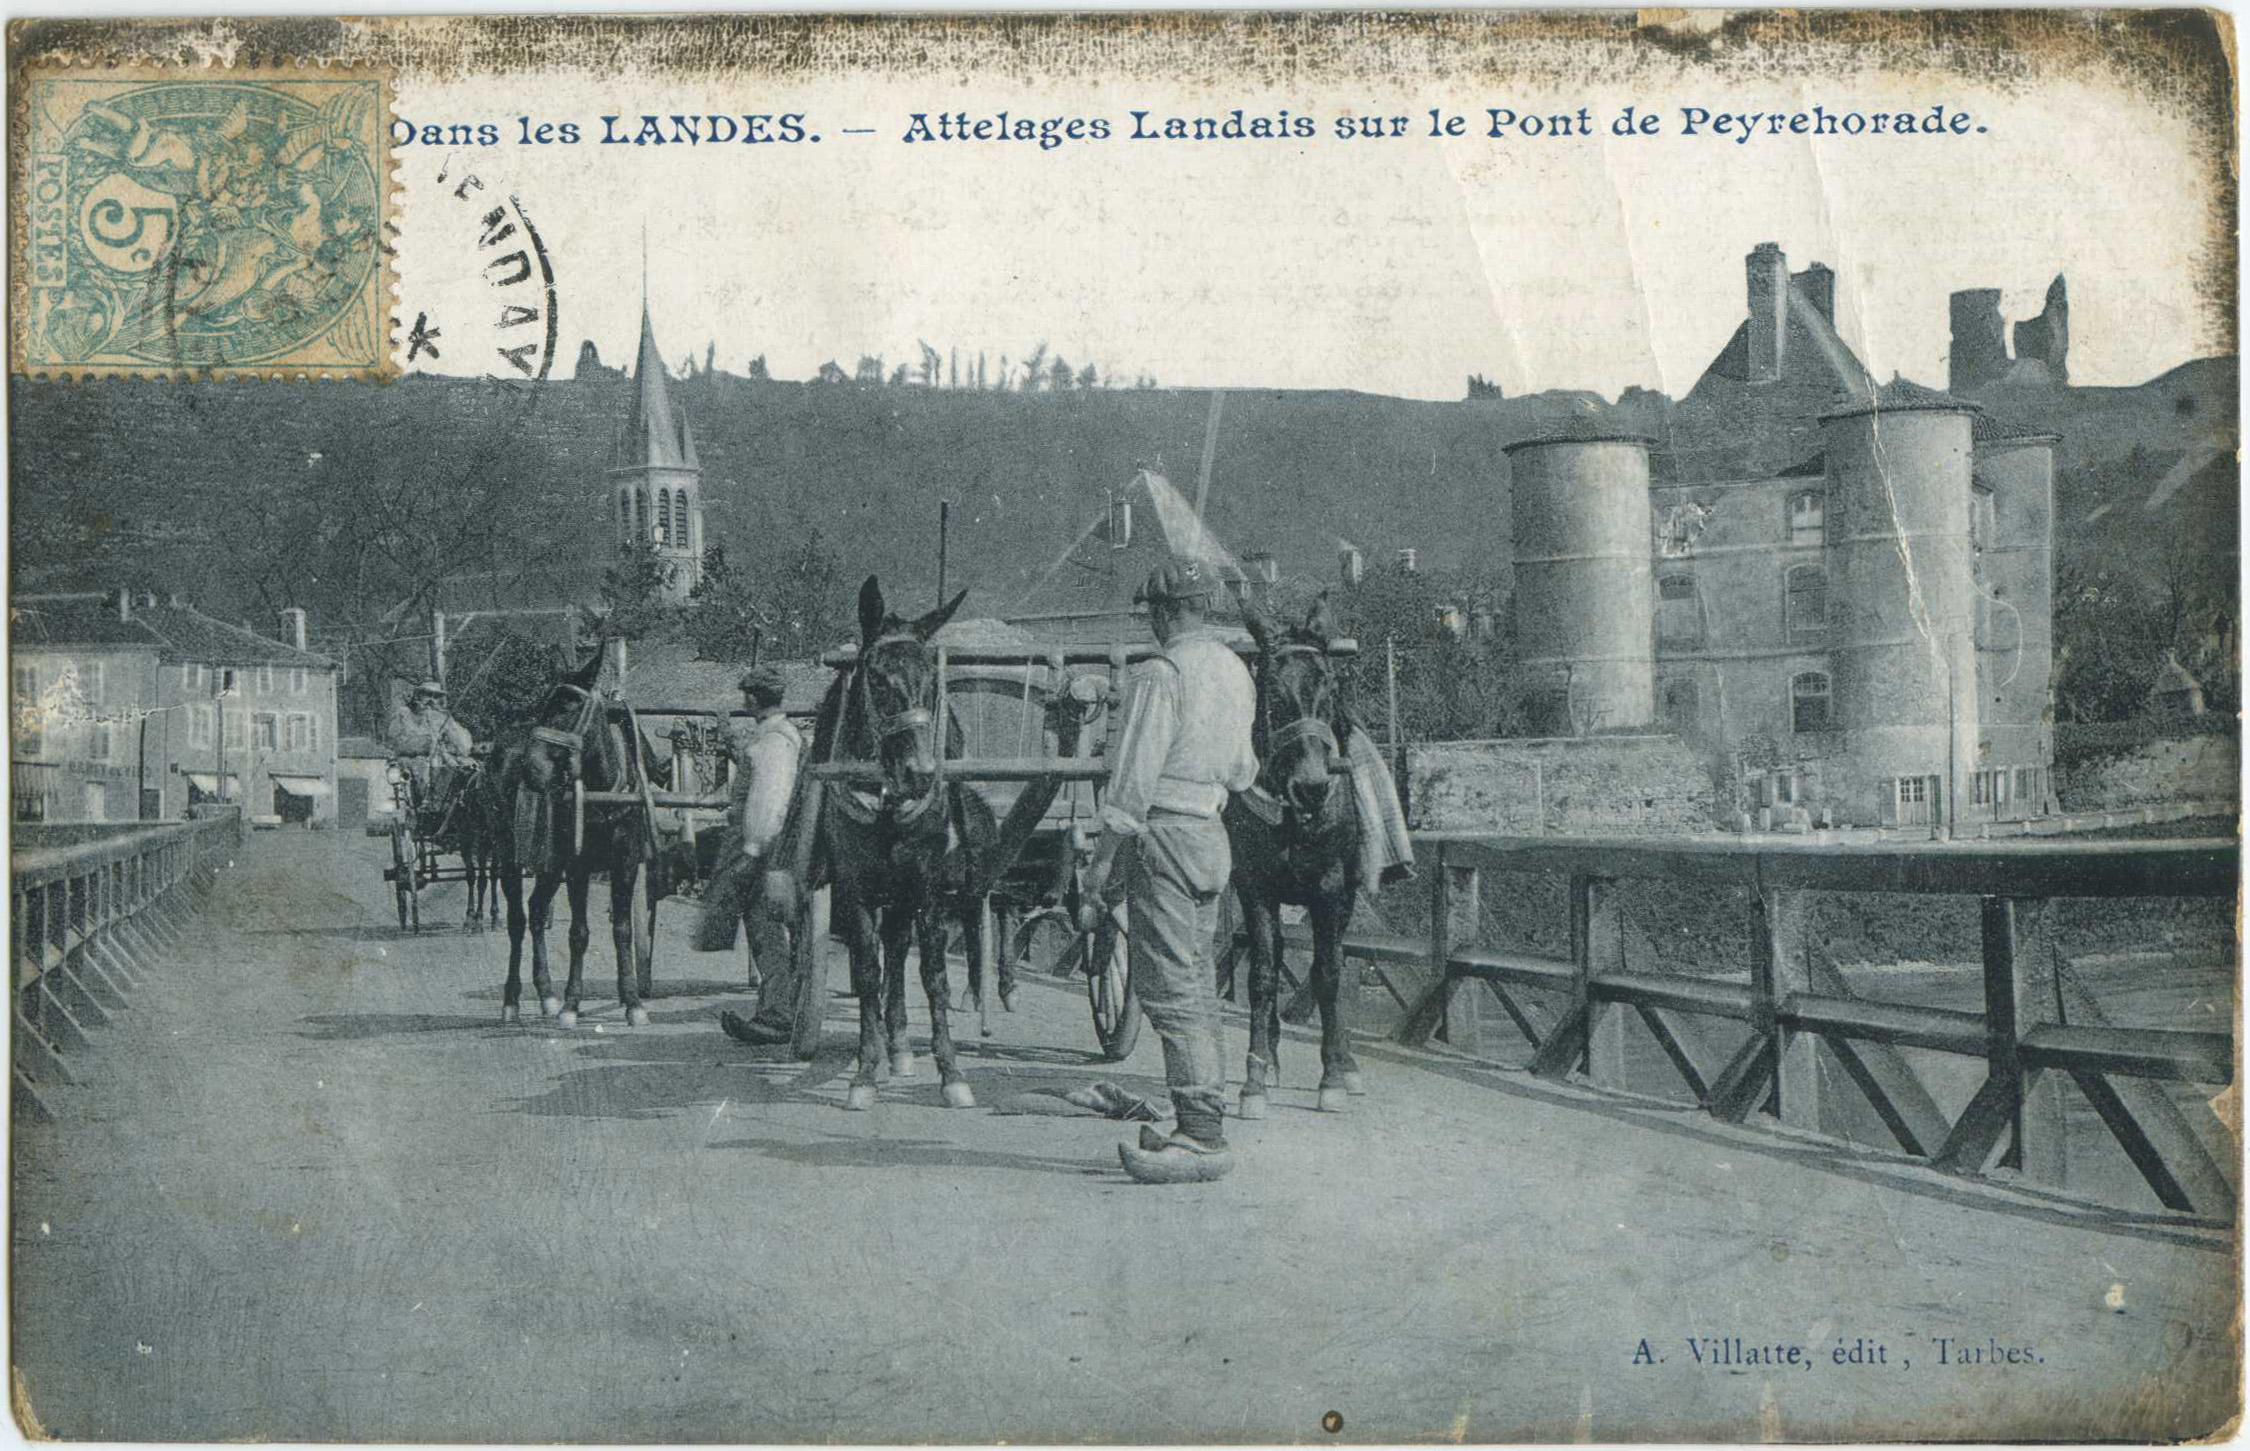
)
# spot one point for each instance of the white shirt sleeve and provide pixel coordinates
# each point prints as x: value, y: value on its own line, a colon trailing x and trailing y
x: 1152, y: 719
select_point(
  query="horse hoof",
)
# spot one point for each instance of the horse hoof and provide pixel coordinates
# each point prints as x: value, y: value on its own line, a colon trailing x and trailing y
x: 902, y: 1065
x: 958, y: 1095
x: 567, y: 1018
x: 1355, y: 1084
x: 1334, y: 1100
x: 1007, y: 1000
x: 550, y: 1006
x: 511, y: 1013
x: 984, y: 1032
x: 637, y: 1016
x: 861, y: 1098
x: 1253, y: 1105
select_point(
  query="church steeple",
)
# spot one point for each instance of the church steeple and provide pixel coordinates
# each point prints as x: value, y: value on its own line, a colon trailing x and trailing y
x: 656, y: 481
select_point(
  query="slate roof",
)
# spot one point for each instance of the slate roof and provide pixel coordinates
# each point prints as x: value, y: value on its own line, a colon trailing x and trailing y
x: 1900, y: 395
x: 1988, y: 429
x: 180, y: 634
x: 653, y: 434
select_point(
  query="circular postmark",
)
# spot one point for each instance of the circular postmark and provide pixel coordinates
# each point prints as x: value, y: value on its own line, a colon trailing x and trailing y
x: 513, y: 335
x: 216, y: 224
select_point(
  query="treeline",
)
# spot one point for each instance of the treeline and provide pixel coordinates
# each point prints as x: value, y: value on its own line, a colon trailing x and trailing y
x: 2160, y: 591
x: 1037, y: 371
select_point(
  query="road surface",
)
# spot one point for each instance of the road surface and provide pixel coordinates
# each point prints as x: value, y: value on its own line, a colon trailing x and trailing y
x: 312, y: 1189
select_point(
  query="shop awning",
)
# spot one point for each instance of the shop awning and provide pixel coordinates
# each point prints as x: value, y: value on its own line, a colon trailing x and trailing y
x: 208, y: 784
x: 301, y: 785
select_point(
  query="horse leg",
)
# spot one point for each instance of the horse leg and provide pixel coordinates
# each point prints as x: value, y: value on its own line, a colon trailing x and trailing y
x: 1264, y: 924
x: 512, y: 992
x: 972, y: 943
x: 542, y: 902
x: 577, y: 879
x: 898, y: 931
x: 953, y: 1089
x: 623, y: 903
x: 1339, y: 1070
x: 867, y: 986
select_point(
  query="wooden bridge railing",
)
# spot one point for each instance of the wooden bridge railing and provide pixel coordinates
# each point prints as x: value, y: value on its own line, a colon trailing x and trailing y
x: 87, y: 923
x: 2039, y: 1028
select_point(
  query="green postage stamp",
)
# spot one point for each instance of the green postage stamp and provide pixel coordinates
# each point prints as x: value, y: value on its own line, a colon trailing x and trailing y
x: 189, y: 221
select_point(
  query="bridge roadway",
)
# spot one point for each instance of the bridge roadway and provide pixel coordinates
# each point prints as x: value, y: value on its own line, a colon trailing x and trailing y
x: 311, y: 1188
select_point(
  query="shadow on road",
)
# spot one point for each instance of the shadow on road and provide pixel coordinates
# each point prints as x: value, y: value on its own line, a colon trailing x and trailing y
x: 636, y: 1090
x: 353, y: 1027
x: 856, y: 1152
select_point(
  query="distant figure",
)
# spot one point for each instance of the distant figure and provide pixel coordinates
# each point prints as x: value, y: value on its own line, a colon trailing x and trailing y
x: 765, y: 765
x: 427, y: 739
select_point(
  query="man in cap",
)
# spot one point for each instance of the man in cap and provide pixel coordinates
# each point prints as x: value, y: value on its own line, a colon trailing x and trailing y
x: 423, y: 734
x: 765, y: 760
x: 1184, y: 745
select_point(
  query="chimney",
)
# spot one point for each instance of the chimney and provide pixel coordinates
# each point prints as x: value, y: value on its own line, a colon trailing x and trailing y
x: 123, y: 600
x: 1769, y: 310
x: 293, y: 626
x: 1409, y: 560
x: 146, y: 599
x: 1350, y: 565
x: 176, y: 600
x: 1817, y: 285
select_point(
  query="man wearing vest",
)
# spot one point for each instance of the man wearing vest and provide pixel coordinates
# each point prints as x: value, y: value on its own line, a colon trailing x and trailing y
x: 1184, y: 745
x: 765, y: 760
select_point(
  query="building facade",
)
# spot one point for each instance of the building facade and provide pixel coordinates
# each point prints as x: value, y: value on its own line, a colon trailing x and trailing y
x: 123, y: 708
x: 1861, y: 637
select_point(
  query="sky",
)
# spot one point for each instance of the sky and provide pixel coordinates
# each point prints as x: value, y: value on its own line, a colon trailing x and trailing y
x: 1395, y: 265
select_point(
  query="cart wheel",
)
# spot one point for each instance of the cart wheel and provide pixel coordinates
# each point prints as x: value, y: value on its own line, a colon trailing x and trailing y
x: 644, y: 932
x: 1109, y: 990
x: 811, y: 968
x: 402, y: 874
x: 1228, y: 954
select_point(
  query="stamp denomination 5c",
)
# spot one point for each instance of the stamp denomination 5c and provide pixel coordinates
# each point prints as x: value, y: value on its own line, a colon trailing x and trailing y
x: 201, y: 221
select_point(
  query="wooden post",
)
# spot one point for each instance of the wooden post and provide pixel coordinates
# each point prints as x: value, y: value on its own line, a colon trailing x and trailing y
x: 1568, y: 1047
x: 1781, y: 958
x: 2038, y: 1150
x: 1604, y: 940
x: 1464, y: 1011
x: 1429, y: 1009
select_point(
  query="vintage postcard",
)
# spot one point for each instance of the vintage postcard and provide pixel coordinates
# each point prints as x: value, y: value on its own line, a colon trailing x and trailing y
x: 1362, y: 728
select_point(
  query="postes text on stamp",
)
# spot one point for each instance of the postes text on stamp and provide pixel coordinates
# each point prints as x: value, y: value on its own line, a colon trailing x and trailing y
x: 201, y: 221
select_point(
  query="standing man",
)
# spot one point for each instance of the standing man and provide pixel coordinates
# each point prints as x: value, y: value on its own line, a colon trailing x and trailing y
x: 1184, y: 745
x: 765, y: 764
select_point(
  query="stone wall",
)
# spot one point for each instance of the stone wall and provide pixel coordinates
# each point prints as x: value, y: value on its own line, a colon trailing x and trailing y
x: 2194, y: 768
x: 1595, y: 785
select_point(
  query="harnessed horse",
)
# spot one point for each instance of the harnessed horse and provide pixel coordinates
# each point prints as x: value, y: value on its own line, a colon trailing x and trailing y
x: 1297, y: 839
x: 542, y: 829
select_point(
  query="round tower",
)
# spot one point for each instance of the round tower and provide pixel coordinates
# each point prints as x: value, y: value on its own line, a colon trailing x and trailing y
x: 1585, y: 605
x: 1902, y: 601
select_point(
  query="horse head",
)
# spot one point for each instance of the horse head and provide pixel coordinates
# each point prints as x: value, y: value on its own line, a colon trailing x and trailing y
x: 895, y: 690
x: 1300, y: 708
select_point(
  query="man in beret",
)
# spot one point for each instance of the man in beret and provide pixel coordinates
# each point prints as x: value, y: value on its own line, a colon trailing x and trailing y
x: 765, y: 777
x: 1183, y: 747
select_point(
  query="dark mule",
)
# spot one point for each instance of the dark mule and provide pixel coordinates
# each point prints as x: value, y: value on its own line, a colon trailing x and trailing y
x: 1296, y: 837
x: 470, y: 829
x: 528, y: 798
x: 906, y: 851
